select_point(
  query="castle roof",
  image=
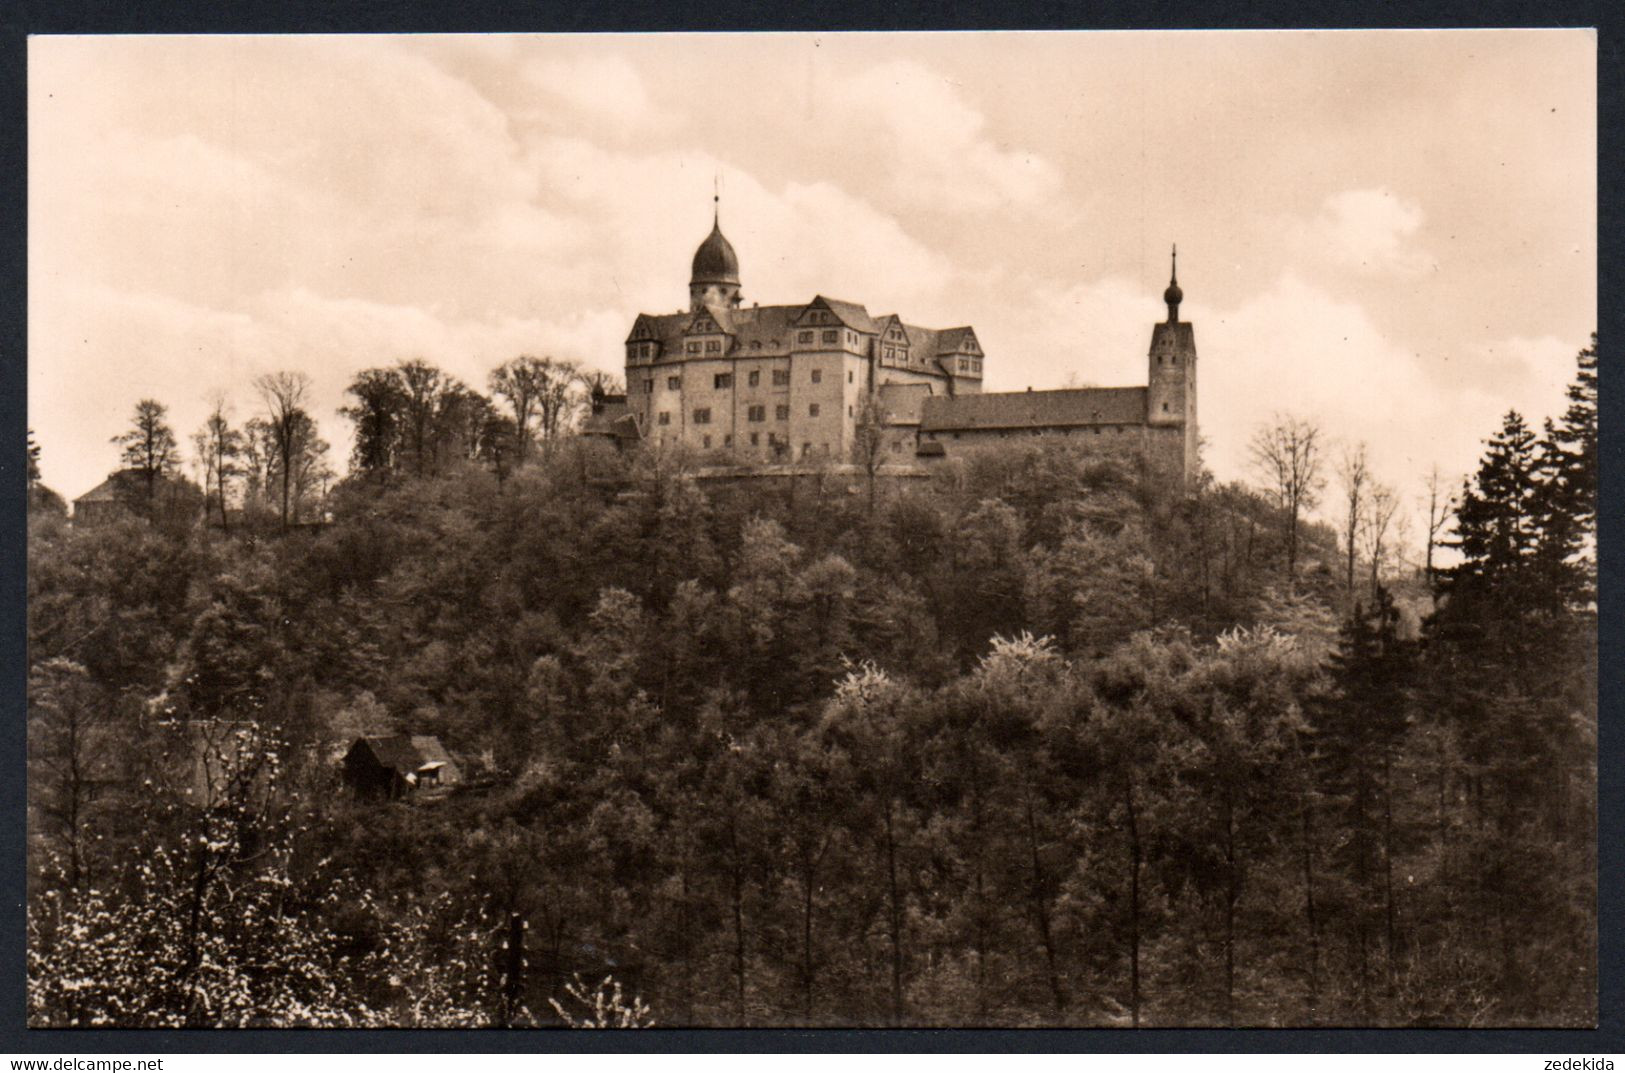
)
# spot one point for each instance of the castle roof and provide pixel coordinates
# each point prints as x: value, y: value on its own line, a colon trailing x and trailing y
x: 1035, y: 409
x: 715, y: 260
x: 851, y: 314
x: 768, y: 330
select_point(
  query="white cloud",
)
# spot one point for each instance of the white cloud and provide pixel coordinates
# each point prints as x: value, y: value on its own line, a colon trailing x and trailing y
x: 600, y: 88
x: 1369, y: 230
x: 932, y: 146
x: 793, y: 242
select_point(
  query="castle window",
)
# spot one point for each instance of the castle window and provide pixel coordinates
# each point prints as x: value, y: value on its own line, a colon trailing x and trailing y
x: 756, y: 344
x: 713, y: 346
x: 648, y: 387
x: 812, y: 409
x: 1159, y: 359
x: 849, y: 376
x: 830, y: 337
x: 705, y: 441
x: 755, y: 438
x: 817, y: 376
x: 673, y: 383
x: 702, y: 416
x: 728, y: 439
x: 693, y: 346
x: 754, y: 378
x: 757, y: 413
x: 722, y: 380
x: 781, y: 412
x: 1165, y: 407
x: 891, y: 353
x: 648, y: 350
x: 849, y: 409
x: 1173, y: 359
x: 804, y: 337
x: 781, y: 377
x: 664, y: 418
x: 806, y: 449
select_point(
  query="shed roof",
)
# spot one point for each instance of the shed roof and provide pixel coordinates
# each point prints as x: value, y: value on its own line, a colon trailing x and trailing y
x: 408, y: 753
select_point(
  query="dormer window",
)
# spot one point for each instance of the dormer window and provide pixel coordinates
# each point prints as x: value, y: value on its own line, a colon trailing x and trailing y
x: 693, y: 346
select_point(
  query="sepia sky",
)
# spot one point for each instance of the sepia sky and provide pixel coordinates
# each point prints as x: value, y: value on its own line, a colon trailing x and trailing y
x: 1392, y: 233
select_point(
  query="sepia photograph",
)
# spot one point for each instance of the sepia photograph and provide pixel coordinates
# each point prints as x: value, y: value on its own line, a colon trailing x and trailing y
x: 852, y: 530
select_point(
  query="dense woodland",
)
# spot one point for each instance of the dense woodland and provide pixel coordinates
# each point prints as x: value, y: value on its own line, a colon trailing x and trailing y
x: 1038, y: 741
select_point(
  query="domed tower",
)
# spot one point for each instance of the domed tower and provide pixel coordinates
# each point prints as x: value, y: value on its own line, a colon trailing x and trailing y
x: 715, y: 278
x: 1171, y: 383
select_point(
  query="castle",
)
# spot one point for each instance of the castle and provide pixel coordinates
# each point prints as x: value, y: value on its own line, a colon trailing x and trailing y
x: 827, y: 382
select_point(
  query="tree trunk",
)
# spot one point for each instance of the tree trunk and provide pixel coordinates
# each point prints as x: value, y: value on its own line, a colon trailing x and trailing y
x: 1133, y: 902
x: 896, y: 921
x: 1309, y: 904
x: 1041, y: 912
x: 1388, y: 866
x: 1230, y: 895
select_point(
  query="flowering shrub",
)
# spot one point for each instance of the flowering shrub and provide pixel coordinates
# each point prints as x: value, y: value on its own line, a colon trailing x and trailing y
x: 605, y: 1006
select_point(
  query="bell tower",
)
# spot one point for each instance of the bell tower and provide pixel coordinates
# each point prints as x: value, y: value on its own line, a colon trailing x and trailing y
x: 1171, y: 374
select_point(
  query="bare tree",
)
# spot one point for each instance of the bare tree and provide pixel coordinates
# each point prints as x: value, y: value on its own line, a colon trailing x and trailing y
x: 1441, y: 508
x: 1379, y: 519
x: 219, y: 449
x: 521, y: 382
x: 1353, y: 472
x: 869, y: 439
x: 284, y: 397
x: 1286, y: 453
x: 559, y: 401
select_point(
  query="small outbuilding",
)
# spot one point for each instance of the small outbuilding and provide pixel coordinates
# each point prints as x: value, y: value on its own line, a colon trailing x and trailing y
x: 401, y: 765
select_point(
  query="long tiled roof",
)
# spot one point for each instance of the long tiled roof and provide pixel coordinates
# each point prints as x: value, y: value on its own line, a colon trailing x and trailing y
x: 1035, y: 409
x: 767, y: 330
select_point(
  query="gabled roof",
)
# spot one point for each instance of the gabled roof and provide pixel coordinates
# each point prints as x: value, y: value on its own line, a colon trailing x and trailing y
x: 768, y: 325
x: 700, y: 323
x: 105, y: 492
x: 1036, y: 409
x: 407, y: 754
x: 121, y: 485
x: 951, y: 340
x: 922, y: 342
x: 617, y: 423
x: 851, y: 314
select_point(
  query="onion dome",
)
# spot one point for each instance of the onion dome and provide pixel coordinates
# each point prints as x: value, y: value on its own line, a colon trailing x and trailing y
x: 1173, y: 295
x: 715, y: 260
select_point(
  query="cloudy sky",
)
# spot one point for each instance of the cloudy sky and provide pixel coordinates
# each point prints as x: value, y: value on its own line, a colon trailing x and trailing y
x: 1392, y: 233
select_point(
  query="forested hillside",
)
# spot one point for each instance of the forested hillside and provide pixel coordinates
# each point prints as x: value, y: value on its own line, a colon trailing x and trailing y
x: 1034, y: 743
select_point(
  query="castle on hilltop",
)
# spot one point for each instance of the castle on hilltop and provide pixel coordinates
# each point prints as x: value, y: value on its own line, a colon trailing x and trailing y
x: 764, y: 385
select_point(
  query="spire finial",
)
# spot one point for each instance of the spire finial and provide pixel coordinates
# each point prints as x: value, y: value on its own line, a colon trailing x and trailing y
x: 1173, y: 295
x: 716, y: 199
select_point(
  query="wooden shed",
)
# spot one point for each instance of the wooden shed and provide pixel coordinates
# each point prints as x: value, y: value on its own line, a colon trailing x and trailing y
x: 401, y: 765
